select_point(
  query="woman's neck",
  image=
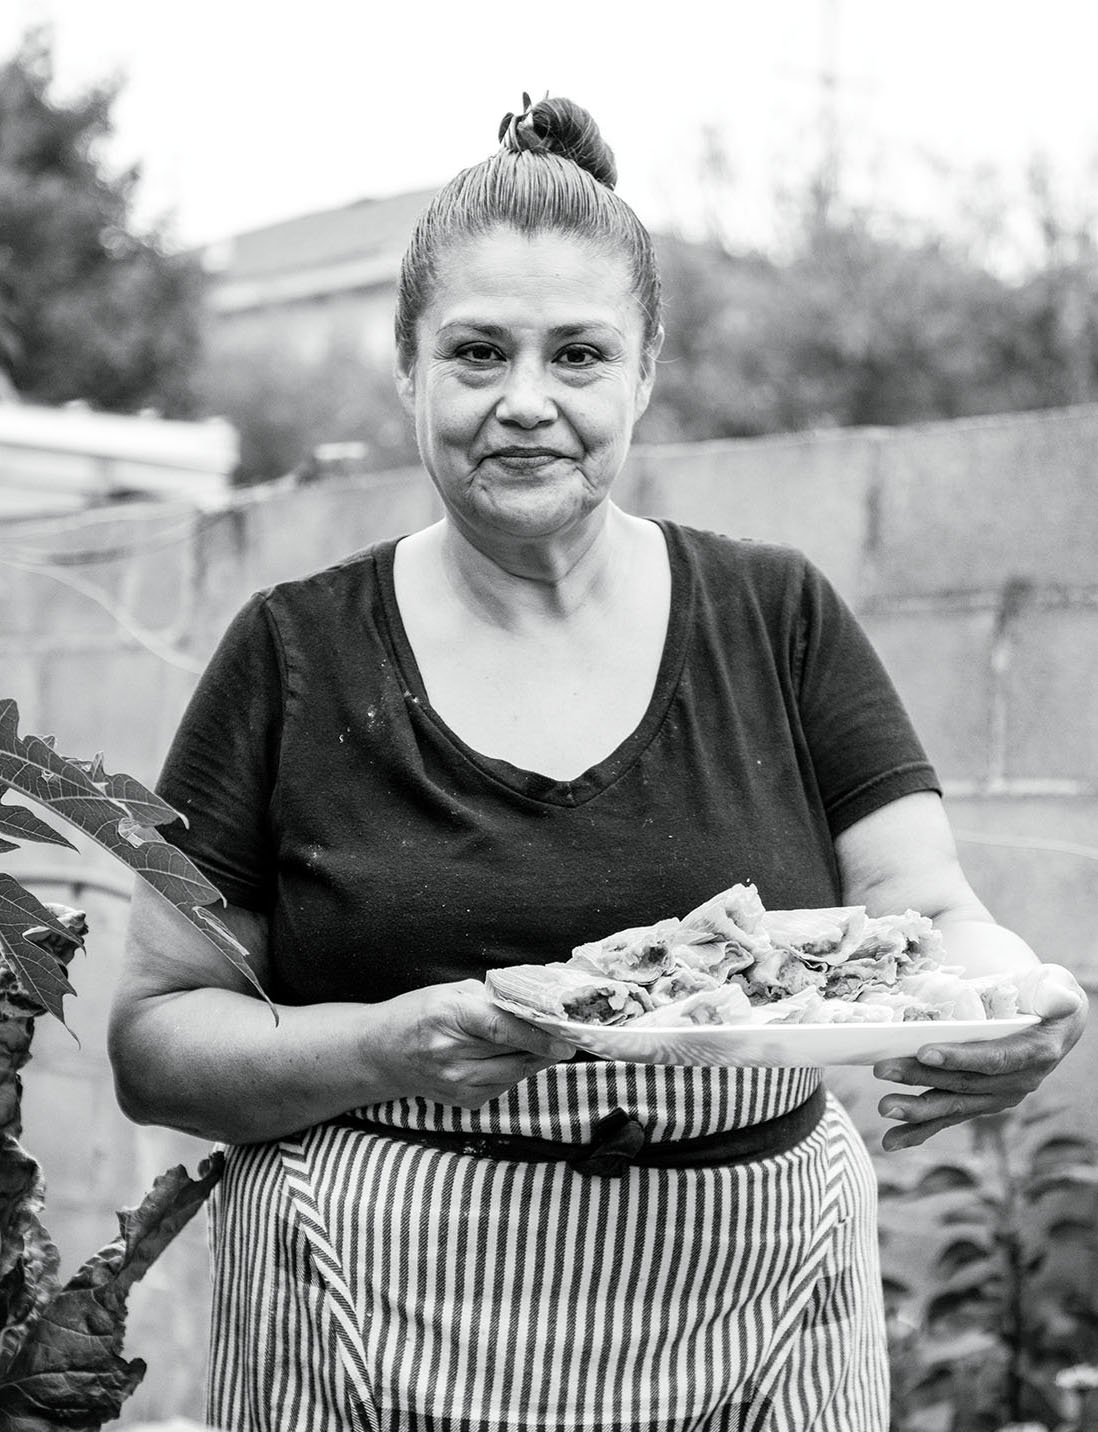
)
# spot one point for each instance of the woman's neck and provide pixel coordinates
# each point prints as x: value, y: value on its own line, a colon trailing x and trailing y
x: 533, y: 582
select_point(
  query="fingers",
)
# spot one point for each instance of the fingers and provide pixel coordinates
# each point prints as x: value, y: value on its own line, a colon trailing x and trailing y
x: 975, y: 1068
x: 1028, y: 1054
x: 928, y: 1114
x: 473, y: 1084
x: 910, y: 1136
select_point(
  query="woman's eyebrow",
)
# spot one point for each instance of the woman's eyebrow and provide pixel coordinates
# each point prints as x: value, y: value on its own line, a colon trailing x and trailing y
x: 577, y: 330
x: 558, y: 332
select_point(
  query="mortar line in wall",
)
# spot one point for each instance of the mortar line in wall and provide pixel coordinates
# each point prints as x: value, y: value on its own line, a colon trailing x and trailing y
x: 1035, y: 842
x: 1047, y: 598
x: 1020, y: 788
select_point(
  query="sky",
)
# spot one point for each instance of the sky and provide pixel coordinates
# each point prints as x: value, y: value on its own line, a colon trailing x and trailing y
x: 243, y: 113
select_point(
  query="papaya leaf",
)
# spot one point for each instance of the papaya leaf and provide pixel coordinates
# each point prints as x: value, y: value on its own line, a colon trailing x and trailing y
x: 37, y: 971
x: 121, y: 815
x: 144, y: 805
x: 22, y: 824
x: 69, y: 1371
x: 28, y: 1258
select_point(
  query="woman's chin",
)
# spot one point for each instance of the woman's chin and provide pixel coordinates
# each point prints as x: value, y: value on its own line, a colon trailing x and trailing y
x: 529, y: 516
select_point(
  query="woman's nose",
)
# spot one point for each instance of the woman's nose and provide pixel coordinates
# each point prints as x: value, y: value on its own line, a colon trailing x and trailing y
x: 526, y: 399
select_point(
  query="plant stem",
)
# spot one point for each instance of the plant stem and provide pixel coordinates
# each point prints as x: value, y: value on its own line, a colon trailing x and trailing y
x: 1011, y: 1237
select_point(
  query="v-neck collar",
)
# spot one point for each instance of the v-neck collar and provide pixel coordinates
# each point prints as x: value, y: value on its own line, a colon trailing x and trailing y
x: 599, y: 777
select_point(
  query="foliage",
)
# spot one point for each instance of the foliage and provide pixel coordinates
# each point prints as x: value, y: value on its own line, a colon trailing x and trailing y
x: 998, y: 1320
x: 89, y: 308
x: 60, y: 1347
x: 117, y: 812
x: 61, y: 1361
x: 858, y: 326
x: 285, y: 405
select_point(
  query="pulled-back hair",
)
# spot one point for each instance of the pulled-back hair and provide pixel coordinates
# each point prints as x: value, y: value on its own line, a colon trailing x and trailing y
x: 552, y: 173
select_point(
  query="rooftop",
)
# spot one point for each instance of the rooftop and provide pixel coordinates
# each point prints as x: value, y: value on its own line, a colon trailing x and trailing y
x: 359, y: 245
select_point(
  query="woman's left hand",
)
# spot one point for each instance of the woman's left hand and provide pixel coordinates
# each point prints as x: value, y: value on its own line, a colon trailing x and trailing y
x: 963, y: 1081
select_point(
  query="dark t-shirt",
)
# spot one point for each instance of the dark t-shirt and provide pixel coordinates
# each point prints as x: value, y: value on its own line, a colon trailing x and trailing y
x: 323, y: 789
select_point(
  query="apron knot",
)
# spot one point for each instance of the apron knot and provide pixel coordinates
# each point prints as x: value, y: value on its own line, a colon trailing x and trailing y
x: 614, y: 1145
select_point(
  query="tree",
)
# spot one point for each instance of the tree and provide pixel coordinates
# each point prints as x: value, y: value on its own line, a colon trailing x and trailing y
x: 284, y: 406
x: 863, y: 318
x: 89, y: 308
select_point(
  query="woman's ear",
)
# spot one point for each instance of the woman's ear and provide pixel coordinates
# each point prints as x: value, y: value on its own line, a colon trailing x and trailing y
x: 648, y: 372
x: 404, y: 377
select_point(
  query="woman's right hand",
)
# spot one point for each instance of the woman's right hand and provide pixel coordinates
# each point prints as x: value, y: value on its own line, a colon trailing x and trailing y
x: 449, y: 1043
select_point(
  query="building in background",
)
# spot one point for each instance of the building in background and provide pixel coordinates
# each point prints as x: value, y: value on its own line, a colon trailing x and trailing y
x: 315, y: 283
x: 55, y: 460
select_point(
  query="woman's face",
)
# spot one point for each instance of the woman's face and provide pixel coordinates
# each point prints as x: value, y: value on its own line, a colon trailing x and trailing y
x: 528, y: 379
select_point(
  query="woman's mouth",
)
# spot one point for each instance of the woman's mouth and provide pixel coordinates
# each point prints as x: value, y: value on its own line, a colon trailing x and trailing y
x: 525, y: 457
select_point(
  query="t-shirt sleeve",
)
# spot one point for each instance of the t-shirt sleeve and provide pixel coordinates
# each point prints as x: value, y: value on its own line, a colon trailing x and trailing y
x: 221, y: 767
x: 864, y: 747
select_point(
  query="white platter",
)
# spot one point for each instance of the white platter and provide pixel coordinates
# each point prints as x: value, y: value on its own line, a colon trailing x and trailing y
x: 790, y: 1045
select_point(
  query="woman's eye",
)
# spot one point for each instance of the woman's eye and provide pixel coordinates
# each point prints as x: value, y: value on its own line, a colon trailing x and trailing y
x: 578, y: 355
x: 479, y: 353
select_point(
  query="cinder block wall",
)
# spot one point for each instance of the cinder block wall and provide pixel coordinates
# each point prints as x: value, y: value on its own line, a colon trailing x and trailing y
x: 969, y: 550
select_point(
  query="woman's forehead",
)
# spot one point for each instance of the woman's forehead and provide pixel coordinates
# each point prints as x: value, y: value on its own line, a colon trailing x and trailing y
x: 504, y: 272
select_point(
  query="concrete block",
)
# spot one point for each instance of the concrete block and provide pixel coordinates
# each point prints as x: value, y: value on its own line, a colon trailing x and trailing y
x: 938, y: 660
x: 20, y: 681
x: 1034, y: 863
x: 1051, y: 692
x: 223, y: 572
x: 175, y: 692
x: 56, y: 607
x: 964, y: 506
x: 102, y: 700
x: 299, y: 530
x: 59, y: 1115
x: 168, y: 1326
x: 158, y: 579
x: 807, y: 490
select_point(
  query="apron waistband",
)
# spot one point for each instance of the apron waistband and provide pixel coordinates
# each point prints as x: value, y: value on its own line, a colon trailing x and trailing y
x: 620, y: 1141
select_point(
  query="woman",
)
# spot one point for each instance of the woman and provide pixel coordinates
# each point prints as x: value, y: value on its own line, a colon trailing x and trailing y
x: 536, y: 722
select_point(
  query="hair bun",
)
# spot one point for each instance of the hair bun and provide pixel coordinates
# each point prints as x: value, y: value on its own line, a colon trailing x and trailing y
x: 560, y: 126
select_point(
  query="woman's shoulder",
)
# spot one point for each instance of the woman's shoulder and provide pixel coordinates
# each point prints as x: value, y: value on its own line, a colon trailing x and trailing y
x: 745, y: 560
x: 355, y: 573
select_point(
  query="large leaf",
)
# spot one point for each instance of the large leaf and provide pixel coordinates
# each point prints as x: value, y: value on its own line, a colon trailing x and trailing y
x: 120, y: 814
x: 28, y: 1258
x: 69, y: 1371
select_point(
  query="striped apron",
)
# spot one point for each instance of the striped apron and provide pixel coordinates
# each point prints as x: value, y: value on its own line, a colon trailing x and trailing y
x: 363, y: 1281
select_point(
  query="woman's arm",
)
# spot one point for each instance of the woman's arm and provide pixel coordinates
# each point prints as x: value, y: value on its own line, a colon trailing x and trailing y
x: 902, y: 857
x: 194, y: 1048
